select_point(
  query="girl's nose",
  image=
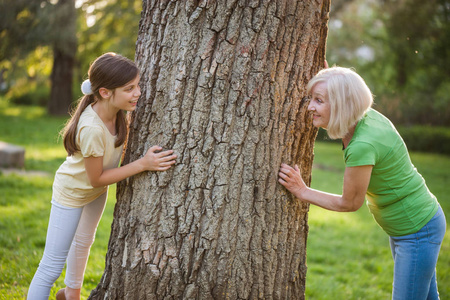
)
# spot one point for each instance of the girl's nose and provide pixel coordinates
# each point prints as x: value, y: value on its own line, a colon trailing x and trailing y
x: 311, y: 106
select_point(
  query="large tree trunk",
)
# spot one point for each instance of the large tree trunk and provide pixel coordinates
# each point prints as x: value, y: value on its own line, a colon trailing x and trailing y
x: 61, y: 79
x: 223, y: 84
x: 64, y: 51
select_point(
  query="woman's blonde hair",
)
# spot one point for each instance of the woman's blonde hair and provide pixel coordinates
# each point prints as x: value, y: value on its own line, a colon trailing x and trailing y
x: 109, y: 71
x: 349, y: 96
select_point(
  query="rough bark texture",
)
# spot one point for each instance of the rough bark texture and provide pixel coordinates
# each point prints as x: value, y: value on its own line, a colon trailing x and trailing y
x: 223, y: 84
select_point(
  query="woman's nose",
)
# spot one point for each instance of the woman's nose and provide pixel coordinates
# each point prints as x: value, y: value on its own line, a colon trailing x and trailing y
x: 311, y: 106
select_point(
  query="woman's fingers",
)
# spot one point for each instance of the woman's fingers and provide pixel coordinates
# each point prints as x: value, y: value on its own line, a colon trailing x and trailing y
x: 282, y: 181
x: 283, y: 175
x: 286, y: 169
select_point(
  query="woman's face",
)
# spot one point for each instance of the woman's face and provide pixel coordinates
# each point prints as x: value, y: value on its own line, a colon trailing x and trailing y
x: 319, y: 105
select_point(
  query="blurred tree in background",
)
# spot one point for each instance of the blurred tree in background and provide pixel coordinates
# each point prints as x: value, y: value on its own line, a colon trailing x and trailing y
x: 64, y: 45
x: 106, y: 26
x: 401, y: 48
x: 39, y: 52
x: 27, y: 27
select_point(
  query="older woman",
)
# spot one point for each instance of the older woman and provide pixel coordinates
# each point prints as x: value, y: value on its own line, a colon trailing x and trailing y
x: 378, y: 168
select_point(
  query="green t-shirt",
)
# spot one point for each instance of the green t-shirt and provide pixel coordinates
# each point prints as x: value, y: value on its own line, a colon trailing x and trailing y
x: 397, y: 196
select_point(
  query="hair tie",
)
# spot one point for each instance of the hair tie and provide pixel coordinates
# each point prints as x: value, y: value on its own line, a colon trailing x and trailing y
x: 86, y: 87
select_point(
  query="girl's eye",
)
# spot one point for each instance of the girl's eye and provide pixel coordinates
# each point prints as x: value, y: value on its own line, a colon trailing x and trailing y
x: 319, y: 100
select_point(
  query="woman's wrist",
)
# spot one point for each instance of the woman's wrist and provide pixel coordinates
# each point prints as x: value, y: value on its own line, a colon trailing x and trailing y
x: 301, y: 192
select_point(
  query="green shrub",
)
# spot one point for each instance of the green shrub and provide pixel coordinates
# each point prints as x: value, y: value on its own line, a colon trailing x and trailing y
x: 426, y: 138
x: 417, y: 138
x: 323, y: 136
x: 29, y: 93
x: 38, y: 97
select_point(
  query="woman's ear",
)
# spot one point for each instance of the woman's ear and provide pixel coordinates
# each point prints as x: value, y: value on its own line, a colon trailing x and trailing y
x: 105, y: 93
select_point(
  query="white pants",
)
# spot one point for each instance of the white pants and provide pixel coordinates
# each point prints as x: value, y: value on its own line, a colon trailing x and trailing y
x: 70, y: 234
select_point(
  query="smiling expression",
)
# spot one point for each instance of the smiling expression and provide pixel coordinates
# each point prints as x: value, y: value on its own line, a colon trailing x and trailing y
x: 319, y: 105
x: 126, y: 97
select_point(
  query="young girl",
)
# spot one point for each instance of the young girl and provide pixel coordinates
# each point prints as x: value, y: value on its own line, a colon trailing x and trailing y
x: 93, y: 138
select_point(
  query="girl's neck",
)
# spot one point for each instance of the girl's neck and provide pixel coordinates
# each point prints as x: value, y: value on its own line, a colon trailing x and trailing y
x: 107, y: 114
x: 105, y: 111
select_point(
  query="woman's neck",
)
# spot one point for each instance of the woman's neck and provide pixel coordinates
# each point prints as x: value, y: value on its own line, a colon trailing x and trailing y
x: 348, y: 137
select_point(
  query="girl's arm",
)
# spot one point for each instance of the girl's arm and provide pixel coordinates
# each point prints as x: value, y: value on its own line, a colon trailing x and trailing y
x: 152, y: 161
x: 356, y: 181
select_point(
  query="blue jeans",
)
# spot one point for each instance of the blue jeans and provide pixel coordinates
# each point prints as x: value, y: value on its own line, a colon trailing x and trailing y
x: 415, y: 257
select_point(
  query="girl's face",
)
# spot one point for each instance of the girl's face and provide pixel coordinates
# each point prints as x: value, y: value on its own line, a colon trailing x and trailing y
x: 319, y: 105
x: 126, y: 97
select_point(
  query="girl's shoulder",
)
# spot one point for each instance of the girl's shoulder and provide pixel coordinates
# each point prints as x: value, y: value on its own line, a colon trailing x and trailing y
x: 90, y: 125
x: 89, y: 118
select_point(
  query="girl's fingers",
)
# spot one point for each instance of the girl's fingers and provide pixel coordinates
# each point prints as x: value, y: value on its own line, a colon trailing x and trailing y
x: 154, y: 148
x: 167, y: 158
x: 167, y: 163
x: 164, y: 153
x: 164, y: 168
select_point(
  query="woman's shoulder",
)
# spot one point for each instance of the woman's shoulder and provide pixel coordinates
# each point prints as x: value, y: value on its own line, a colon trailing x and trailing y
x: 373, y: 114
x: 377, y: 130
x: 375, y: 121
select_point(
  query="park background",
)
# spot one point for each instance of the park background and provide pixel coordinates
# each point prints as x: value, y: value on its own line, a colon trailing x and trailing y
x: 401, y: 48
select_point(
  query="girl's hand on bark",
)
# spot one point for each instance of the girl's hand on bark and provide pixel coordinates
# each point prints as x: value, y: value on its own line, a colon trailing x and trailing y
x: 154, y: 160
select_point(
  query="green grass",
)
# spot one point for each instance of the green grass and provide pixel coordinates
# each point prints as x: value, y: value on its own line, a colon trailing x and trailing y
x: 348, y: 254
x: 25, y: 202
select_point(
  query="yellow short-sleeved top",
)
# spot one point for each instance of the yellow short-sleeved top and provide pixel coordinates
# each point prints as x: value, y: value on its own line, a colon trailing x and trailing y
x: 71, y: 186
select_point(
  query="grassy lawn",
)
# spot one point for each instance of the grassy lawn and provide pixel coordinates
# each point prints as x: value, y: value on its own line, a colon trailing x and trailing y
x: 348, y: 254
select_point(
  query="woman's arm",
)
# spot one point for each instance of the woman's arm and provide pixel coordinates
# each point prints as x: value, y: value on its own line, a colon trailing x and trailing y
x: 356, y: 181
x: 152, y: 161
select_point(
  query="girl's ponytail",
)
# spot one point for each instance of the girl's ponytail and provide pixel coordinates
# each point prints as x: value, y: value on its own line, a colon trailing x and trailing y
x: 69, y: 132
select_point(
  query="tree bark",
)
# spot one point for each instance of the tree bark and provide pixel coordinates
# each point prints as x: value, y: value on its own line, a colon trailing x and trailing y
x: 61, y: 83
x: 223, y: 84
x: 64, y: 51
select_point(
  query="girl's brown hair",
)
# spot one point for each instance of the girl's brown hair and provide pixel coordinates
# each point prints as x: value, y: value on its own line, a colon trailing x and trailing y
x: 108, y: 71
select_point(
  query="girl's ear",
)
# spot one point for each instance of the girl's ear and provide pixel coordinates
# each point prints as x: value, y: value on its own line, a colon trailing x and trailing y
x: 105, y: 93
